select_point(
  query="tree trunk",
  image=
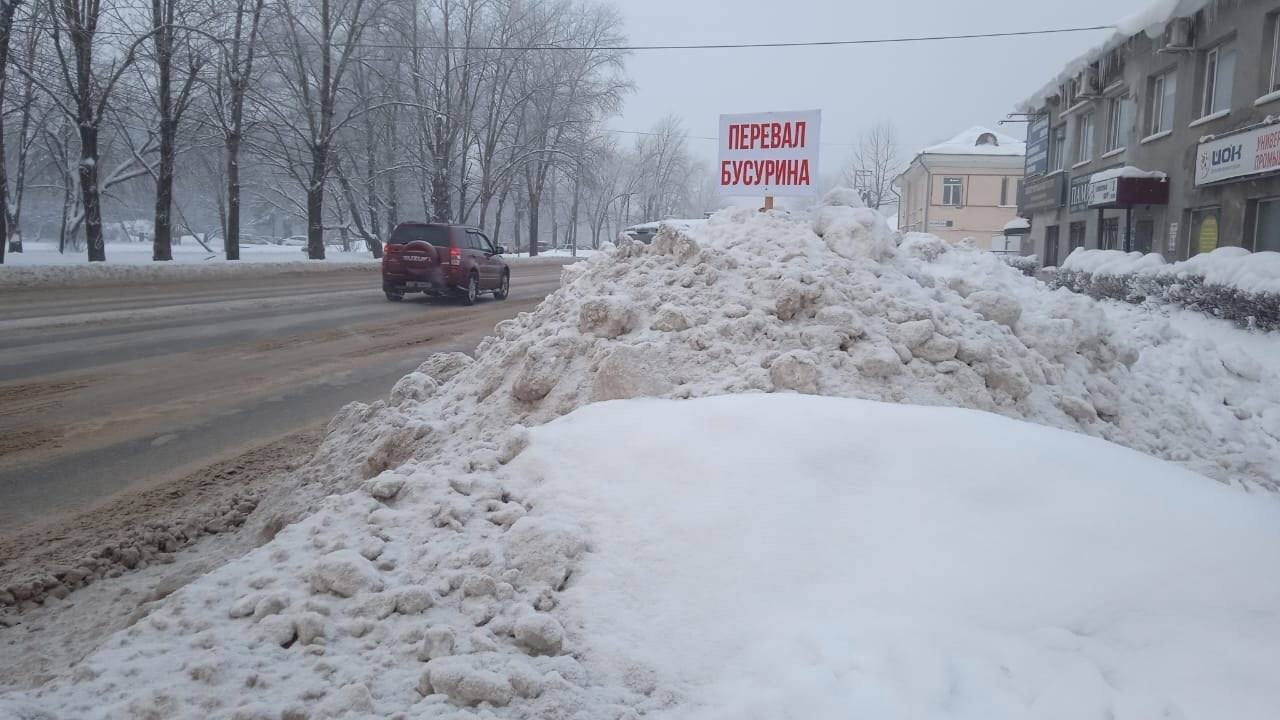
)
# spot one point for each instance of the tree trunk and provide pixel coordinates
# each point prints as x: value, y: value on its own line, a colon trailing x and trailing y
x: 231, y: 238
x: 162, y: 243
x: 7, y: 8
x: 88, y: 171
x: 315, y: 204
x: 573, y: 215
x: 534, y: 200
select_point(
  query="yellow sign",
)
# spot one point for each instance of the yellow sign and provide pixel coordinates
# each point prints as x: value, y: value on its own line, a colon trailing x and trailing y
x: 1208, y: 235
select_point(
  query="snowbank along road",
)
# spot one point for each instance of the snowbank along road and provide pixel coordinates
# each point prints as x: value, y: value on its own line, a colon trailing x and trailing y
x: 176, y: 387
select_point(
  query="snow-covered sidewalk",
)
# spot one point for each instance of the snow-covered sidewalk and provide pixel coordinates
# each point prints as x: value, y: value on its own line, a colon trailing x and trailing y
x: 497, y: 540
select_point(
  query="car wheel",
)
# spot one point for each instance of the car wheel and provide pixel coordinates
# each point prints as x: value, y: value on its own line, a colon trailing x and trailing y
x: 504, y: 289
x: 394, y: 297
x: 473, y: 290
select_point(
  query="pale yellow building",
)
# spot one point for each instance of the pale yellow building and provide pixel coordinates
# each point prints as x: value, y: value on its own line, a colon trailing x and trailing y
x: 964, y: 188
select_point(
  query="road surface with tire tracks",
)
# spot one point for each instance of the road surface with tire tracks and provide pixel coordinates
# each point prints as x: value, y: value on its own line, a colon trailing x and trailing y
x: 112, y: 390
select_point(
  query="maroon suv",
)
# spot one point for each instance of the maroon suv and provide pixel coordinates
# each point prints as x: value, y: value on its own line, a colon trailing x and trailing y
x: 442, y: 259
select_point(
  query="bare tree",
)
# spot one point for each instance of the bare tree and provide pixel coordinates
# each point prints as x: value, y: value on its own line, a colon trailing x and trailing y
x: 320, y: 42
x: 874, y: 163
x: 7, y: 10
x: 166, y: 35
x: 235, y: 72
x: 73, y: 28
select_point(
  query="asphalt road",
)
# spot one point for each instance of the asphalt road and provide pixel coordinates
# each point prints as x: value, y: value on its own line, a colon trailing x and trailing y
x: 104, y: 391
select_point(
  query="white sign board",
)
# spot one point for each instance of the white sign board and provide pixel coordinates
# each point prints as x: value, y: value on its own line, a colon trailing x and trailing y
x: 1103, y: 193
x: 774, y: 153
x: 1233, y: 156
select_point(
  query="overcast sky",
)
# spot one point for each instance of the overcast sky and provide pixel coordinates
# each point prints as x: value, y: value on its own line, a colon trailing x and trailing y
x: 929, y: 91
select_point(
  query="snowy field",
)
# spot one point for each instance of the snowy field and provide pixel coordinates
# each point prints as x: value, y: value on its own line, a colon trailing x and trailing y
x: 1011, y: 503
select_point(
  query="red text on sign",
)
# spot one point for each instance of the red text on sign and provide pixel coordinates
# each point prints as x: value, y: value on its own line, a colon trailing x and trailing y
x: 764, y: 172
x: 767, y: 135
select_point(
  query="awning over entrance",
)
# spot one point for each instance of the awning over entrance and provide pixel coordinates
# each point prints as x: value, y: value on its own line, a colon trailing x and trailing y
x: 1128, y: 186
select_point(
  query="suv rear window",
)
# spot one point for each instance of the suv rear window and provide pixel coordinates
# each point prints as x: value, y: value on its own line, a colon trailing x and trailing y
x: 433, y: 234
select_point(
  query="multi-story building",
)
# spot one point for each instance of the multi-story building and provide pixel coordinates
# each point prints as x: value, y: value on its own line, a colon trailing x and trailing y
x: 1165, y: 139
x: 964, y: 188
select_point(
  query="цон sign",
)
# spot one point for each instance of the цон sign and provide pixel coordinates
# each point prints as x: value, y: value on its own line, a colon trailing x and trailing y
x: 774, y: 153
x: 1247, y: 153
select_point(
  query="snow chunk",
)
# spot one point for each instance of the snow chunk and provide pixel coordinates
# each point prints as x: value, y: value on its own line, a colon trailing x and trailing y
x: 995, y: 306
x: 796, y: 370
x: 344, y: 573
x: 540, y: 633
x: 606, y: 317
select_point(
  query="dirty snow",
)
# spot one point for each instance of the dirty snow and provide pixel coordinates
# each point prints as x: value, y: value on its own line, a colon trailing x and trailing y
x: 438, y: 577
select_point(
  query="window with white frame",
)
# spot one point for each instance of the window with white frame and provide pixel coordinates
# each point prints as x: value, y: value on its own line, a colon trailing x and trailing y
x: 1162, y: 92
x: 1117, y: 122
x: 1057, y: 147
x: 1275, y: 54
x: 1084, y: 138
x: 953, y: 191
x: 1219, y: 75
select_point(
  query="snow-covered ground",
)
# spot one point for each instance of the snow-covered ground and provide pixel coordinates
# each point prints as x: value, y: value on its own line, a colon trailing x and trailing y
x: 758, y: 556
x: 46, y: 253
x: 1009, y: 571
x: 557, y: 253
x: 41, y: 265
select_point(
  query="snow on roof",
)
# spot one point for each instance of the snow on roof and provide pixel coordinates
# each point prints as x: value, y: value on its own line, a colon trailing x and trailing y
x: 1150, y: 20
x: 1018, y: 224
x: 1128, y: 171
x: 978, y: 140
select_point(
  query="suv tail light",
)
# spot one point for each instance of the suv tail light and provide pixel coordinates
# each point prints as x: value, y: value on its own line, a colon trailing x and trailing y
x: 455, y: 256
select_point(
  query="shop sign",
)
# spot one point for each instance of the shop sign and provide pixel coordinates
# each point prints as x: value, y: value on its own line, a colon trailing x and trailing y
x: 1041, y: 195
x: 1239, y: 155
x: 1103, y: 193
x: 1078, y: 198
x: 1037, y: 162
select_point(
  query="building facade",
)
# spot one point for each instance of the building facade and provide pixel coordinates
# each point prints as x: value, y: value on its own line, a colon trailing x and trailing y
x: 963, y: 189
x: 1163, y: 141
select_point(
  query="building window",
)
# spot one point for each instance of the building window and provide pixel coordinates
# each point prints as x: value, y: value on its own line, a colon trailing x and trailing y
x: 1266, y: 225
x: 1076, y: 237
x: 1057, y: 148
x: 1084, y: 138
x: 1050, y: 258
x: 1110, y: 234
x: 1117, y: 123
x: 1004, y: 191
x: 1163, y: 91
x: 1219, y: 73
x: 1275, y: 54
x: 953, y: 191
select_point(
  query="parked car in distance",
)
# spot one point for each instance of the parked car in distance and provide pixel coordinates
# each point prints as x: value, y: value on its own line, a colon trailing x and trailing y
x: 439, y: 259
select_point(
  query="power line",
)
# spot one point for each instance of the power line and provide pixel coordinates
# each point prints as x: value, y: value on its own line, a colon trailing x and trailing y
x: 695, y: 46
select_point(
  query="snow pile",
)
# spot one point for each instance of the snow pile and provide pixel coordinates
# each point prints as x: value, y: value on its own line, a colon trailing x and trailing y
x: 1229, y: 282
x: 1012, y: 571
x: 437, y: 578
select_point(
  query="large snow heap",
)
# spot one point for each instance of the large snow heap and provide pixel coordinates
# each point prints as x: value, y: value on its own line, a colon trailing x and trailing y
x: 429, y: 580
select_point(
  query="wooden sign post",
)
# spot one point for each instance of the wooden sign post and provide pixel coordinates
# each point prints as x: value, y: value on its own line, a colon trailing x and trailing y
x: 768, y: 203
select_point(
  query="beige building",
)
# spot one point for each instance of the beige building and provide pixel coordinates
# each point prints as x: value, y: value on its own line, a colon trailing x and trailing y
x: 966, y: 187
